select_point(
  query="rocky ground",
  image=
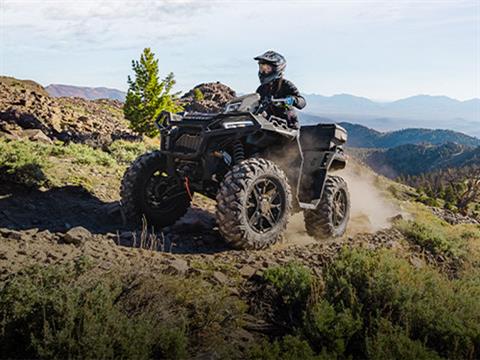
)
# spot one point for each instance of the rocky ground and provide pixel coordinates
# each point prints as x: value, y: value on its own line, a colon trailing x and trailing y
x: 58, y: 225
x: 213, y: 97
x: 27, y: 111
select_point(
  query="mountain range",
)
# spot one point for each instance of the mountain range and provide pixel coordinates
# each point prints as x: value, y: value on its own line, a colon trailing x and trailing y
x: 426, y: 111
x: 89, y: 93
x: 360, y: 136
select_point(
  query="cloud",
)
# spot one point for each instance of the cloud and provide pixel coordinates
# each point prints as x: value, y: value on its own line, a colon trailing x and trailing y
x: 93, y: 25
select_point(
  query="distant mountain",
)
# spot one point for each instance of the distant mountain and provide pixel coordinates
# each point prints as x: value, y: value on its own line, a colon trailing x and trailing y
x: 360, y: 136
x: 89, y: 93
x: 417, y: 111
x: 413, y: 159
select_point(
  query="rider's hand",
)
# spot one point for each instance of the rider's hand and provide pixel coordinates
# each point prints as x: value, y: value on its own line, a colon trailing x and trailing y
x: 289, y: 100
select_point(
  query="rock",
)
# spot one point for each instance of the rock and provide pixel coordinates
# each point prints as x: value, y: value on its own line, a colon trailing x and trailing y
x: 234, y: 291
x: 247, y: 271
x: 214, y: 98
x: 220, y: 277
x: 36, y: 135
x: 177, y: 267
x: 395, y: 218
x: 11, y: 234
x: 416, y: 262
x: 77, y: 235
x: 44, y: 235
x: 194, y: 221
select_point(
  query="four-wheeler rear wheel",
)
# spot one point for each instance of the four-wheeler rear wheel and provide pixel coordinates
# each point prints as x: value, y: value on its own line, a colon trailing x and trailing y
x: 147, y: 189
x: 331, y: 216
x: 253, y: 204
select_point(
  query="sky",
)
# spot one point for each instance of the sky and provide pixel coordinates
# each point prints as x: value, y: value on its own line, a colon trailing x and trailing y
x: 382, y: 50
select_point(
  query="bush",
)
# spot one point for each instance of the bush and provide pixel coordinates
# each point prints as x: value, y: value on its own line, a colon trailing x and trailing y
x: 376, y: 305
x: 125, y: 151
x: 63, y: 312
x: 391, y: 342
x: 329, y: 329
x: 444, y: 314
x: 288, y: 348
x: 198, y: 95
x: 22, y: 162
x: 435, y: 238
x: 82, y: 154
x: 293, y: 281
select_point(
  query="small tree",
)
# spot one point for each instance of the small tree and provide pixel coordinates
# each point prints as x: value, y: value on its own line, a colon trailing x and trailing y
x: 147, y: 96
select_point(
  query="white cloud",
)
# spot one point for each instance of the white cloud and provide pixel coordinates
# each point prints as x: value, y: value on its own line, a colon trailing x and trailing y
x: 88, y: 25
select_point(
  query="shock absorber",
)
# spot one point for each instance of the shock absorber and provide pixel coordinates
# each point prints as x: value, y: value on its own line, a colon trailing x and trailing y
x: 238, y: 152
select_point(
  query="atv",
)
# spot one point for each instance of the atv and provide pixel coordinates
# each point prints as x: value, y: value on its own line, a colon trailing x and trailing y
x: 249, y: 163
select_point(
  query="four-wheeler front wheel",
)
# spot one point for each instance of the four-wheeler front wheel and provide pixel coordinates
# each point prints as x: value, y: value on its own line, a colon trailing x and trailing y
x: 331, y: 217
x: 147, y: 190
x: 253, y: 204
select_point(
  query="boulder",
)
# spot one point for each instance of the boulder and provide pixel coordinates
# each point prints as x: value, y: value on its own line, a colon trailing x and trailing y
x: 77, y: 235
x: 36, y: 135
x: 177, y: 267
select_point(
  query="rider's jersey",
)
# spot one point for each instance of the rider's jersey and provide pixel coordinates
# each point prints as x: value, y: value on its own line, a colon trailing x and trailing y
x: 281, y: 88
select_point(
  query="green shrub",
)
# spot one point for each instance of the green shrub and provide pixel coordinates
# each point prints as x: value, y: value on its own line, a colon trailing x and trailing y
x: 62, y: 312
x: 391, y: 342
x: 23, y: 162
x: 198, y: 95
x: 444, y: 314
x: 83, y: 154
x: 126, y: 151
x: 293, y: 281
x: 435, y: 238
x: 327, y: 328
x: 288, y: 348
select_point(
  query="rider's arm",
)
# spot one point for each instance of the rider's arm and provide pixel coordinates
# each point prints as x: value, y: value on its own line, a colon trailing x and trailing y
x: 292, y: 90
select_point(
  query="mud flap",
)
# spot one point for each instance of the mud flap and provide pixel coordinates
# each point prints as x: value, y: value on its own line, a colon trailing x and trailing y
x: 318, y: 152
x: 313, y: 173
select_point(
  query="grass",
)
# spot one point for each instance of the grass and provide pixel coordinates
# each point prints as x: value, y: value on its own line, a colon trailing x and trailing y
x: 458, y: 244
x: 35, y: 164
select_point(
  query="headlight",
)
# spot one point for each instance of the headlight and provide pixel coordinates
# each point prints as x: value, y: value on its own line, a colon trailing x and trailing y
x: 237, y: 124
x: 233, y: 107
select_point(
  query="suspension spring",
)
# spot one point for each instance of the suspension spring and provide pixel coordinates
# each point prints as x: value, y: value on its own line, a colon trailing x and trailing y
x: 238, y: 152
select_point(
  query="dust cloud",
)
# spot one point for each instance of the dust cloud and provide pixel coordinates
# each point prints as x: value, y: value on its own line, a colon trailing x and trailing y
x: 370, y: 209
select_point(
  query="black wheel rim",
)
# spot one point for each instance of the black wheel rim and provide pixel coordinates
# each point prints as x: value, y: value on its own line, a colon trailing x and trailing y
x: 340, y: 207
x: 162, y: 192
x: 265, y: 204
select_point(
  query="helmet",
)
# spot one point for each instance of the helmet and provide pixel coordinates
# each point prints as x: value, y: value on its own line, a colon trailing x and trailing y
x: 278, y: 63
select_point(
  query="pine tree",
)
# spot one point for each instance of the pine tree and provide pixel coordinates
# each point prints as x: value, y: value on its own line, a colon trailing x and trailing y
x: 147, y: 96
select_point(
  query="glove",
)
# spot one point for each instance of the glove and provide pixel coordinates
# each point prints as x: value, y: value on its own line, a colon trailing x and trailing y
x: 289, y: 100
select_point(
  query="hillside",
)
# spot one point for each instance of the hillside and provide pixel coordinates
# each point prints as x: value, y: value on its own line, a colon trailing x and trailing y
x: 364, y: 137
x: 77, y: 281
x: 411, y: 159
x: 28, y: 111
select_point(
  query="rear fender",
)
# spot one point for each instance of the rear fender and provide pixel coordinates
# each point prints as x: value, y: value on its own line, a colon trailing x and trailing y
x: 320, y: 154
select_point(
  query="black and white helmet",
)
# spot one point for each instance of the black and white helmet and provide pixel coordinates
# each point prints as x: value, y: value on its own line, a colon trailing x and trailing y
x: 278, y: 63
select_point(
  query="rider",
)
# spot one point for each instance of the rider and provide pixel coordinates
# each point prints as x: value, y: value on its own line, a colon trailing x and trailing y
x: 271, y: 66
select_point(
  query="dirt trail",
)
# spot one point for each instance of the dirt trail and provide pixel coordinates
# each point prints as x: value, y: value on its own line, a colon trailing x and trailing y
x: 33, y: 224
